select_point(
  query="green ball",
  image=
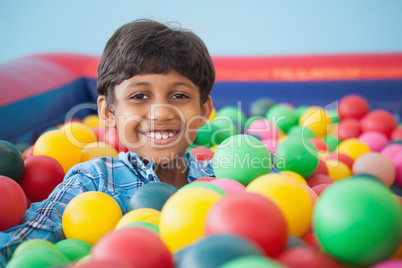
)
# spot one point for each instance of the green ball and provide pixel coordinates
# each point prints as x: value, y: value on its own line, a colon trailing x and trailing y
x: 282, y: 116
x: 233, y: 113
x: 299, y: 110
x: 242, y: 158
x: 225, y: 128
x: 359, y: 221
x: 208, y: 135
x: 39, y: 258
x: 333, y: 114
x: 332, y: 142
x: 300, y: 131
x: 11, y: 161
x: 204, y: 184
x: 33, y: 244
x: 253, y: 261
x: 74, y: 249
x: 143, y: 224
x: 298, y: 155
x: 260, y: 106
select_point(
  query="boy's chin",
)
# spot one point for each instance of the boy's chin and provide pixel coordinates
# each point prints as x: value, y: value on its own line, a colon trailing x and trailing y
x: 160, y: 159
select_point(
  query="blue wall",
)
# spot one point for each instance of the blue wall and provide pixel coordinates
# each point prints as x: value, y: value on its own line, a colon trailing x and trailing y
x: 228, y: 27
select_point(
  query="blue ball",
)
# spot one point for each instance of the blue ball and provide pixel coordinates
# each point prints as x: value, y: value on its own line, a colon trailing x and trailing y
x: 151, y: 195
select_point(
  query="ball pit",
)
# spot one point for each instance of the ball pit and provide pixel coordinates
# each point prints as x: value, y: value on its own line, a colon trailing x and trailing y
x: 140, y: 214
x: 97, y: 149
x: 353, y: 148
x: 348, y: 128
x: 353, y: 106
x: 151, y: 195
x: 379, y: 120
x: 73, y: 249
x: 12, y: 163
x: 317, y: 119
x: 282, y: 116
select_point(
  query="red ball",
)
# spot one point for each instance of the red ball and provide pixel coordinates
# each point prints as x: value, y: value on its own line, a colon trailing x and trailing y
x: 28, y: 152
x: 379, y: 120
x: 102, y: 264
x: 205, y: 179
x: 41, y: 175
x: 311, y: 241
x: 13, y: 203
x: 396, y: 134
x: 353, y: 106
x: 303, y: 257
x: 319, y: 144
x: 349, y: 128
x: 251, y: 216
x: 321, y: 169
x: 320, y: 188
x: 111, y: 137
x: 342, y: 158
x: 319, y: 179
x: 202, y: 153
x: 134, y: 246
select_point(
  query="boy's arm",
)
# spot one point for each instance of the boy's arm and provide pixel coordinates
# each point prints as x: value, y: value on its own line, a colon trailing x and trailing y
x: 43, y: 220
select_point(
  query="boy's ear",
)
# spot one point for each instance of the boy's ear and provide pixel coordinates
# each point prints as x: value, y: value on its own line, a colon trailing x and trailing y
x: 206, y: 110
x: 104, y: 114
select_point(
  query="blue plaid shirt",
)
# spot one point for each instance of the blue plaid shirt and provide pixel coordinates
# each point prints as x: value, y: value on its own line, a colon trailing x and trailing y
x: 118, y: 177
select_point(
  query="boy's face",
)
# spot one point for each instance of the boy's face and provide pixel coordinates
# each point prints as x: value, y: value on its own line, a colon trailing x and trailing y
x: 156, y: 115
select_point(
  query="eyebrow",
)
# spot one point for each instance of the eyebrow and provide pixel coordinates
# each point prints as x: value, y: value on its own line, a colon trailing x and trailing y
x: 175, y: 84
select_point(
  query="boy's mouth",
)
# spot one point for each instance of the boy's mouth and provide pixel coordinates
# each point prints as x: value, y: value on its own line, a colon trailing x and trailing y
x: 160, y: 134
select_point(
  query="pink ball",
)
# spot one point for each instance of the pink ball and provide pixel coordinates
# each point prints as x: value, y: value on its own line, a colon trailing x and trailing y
x: 229, y: 186
x: 263, y: 129
x: 270, y: 144
x: 375, y: 140
x: 388, y: 264
x: 397, y: 162
x: 320, y: 188
x: 391, y: 150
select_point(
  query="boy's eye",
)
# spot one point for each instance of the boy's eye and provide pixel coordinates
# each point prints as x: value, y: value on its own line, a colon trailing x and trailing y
x: 139, y: 97
x: 180, y: 96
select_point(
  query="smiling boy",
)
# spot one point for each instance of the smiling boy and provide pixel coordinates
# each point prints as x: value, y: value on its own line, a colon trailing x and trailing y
x: 154, y: 84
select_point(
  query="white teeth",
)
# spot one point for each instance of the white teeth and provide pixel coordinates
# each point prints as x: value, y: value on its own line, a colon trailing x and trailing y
x: 152, y: 134
x: 165, y: 136
x: 171, y: 134
x: 158, y: 136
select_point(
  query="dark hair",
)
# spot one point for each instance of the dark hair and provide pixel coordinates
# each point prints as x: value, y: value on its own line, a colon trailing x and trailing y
x: 150, y: 47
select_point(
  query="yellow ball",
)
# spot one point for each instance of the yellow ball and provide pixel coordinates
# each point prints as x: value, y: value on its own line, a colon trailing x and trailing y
x: 79, y: 134
x: 183, y: 215
x: 213, y: 114
x: 141, y: 214
x: 97, y: 149
x: 290, y: 197
x: 89, y: 216
x: 92, y: 121
x: 282, y: 138
x: 294, y: 175
x: 317, y: 119
x: 337, y: 170
x: 213, y: 148
x: 353, y: 147
x: 55, y: 144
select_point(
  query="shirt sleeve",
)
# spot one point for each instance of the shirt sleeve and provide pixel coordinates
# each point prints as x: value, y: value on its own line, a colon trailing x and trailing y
x: 43, y: 220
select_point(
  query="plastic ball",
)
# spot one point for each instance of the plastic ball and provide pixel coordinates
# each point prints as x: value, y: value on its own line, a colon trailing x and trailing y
x: 28, y: 153
x: 260, y: 106
x: 320, y: 188
x: 208, y: 135
x: 39, y: 257
x: 31, y: 244
x: 353, y: 148
x: 140, y: 214
x: 397, y: 162
x: 342, y: 158
x: 79, y: 134
x: 242, y: 158
x: 202, y: 153
x: 389, y: 264
x: 319, y: 179
x: 205, y: 185
x: 229, y: 186
x: 13, y: 203
x: 143, y: 224
x: 97, y: 149
x: 73, y: 249
x: 307, y: 257
x: 290, y: 196
x: 225, y: 128
x: 375, y: 140
x: 151, y: 195
x: 263, y: 129
x: 247, y: 215
x: 317, y: 119
x: 298, y: 155
x: 379, y: 120
x: 89, y: 216
x: 375, y: 164
x: 396, y: 134
x: 213, y: 114
x: 12, y: 163
x: 205, y: 179
x: 271, y: 145
x: 319, y: 144
x: 55, y: 144
x: 337, y: 169
x: 92, y: 121
x: 254, y: 261
x: 214, y: 251
x: 311, y: 194
x: 132, y: 246
x: 41, y: 175
x: 332, y: 142
x: 361, y: 228
x: 349, y: 128
x: 391, y: 150
x: 111, y: 137
x: 234, y: 113
x: 295, y: 176
x: 282, y: 116
x: 99, y: 264
x: 353, y: 106
x: 182, y: 216
x: 321, y: 168
x: 303, y: 132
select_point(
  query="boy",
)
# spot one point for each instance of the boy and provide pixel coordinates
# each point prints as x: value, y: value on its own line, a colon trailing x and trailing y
x: 154, y: 84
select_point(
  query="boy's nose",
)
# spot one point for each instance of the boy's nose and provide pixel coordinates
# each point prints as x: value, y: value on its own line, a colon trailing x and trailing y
x: 161, y: 112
